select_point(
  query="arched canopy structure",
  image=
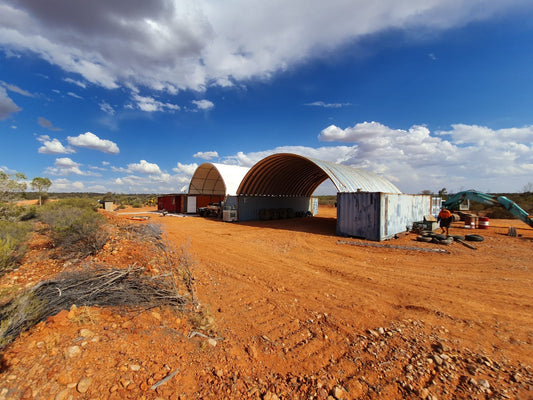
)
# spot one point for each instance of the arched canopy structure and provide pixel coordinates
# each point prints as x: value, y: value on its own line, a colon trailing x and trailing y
x: 294, y: 175
x: 216, y: 179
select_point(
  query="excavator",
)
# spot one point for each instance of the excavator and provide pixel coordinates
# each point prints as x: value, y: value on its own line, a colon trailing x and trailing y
x: 452, y: 203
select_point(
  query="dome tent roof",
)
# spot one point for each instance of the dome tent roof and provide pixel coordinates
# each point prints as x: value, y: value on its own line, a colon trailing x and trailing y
x: 216, y: 179
x: 287, y: 174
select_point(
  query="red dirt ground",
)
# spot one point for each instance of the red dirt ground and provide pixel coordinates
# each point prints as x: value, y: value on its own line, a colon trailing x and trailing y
x: 291, y: 313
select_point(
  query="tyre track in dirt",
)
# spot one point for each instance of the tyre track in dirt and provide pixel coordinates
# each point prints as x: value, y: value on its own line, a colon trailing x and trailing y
x: 269, y: 274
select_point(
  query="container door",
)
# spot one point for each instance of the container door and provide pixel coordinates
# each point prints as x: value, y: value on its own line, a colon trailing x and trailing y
x: 191, y: 204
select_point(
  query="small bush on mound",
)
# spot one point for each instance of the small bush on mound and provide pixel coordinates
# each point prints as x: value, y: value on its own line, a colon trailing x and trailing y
x: 75, y: 226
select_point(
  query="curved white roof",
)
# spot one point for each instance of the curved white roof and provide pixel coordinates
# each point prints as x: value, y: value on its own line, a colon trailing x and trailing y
x: 217, y: 179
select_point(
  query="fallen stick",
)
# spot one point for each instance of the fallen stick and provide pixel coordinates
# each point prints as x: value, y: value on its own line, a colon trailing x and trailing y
x: 466, y: 244
x: 164, y: 380
x: 392, y: 246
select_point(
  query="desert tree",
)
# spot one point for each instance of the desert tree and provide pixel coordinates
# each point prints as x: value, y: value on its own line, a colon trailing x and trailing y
x: 11, y: 185
x: 41, y: 185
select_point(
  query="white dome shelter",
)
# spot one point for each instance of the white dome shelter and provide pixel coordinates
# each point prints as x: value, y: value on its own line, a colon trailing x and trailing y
x: 217, y: 179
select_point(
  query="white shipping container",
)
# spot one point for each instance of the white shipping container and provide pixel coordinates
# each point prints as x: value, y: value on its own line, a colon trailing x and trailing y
x: 379, y: 216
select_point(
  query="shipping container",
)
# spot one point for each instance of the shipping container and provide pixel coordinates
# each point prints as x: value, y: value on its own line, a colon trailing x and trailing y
x: 379, y: 216
x: 174, y: 203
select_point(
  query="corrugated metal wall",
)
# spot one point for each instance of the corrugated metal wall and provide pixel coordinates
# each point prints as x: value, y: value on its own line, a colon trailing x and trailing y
x: 399, y: 211
x: 358, y: 215
x: 379, y: 216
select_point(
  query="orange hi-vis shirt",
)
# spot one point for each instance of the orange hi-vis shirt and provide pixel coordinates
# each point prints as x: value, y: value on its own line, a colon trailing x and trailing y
x: 445, y: 214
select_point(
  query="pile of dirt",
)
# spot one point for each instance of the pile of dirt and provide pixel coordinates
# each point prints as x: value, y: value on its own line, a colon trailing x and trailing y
x: 285, y: 311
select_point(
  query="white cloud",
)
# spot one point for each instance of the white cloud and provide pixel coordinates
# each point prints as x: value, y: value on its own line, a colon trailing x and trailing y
x: 206, y: 155
x: 186, y: 169
x: 53, y: 146
x: 203, y: 104
x: 90, y: 141
x: 76, y: 82
x: 65, y: 166
x: 149, y: 104
x: 175, y: 45
x: 107, y: 108
x: 7, y: 106
x: 327, y: 105
x: 65, y: 185
x: 144, y: 167
x: 71, y: 94
x: 16, y: 89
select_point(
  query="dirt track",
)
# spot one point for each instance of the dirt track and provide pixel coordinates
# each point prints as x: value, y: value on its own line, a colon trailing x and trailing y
x: 297, y: 315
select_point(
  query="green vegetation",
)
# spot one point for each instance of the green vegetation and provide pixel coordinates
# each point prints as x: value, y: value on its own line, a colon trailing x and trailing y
x: 11, y: 185
x: 75, y: 226
x: 90, y: 283
x: 41, y: 185
x: 327, y: 200
x: 14, y: 232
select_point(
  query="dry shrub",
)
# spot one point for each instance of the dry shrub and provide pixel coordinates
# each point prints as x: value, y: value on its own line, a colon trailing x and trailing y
x: 76, y: 228
x: 13, y: 236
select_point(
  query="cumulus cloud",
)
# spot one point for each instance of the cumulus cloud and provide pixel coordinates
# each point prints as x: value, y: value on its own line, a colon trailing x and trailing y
x: 175, y: 45
x: 144, y: 167
x: 53, y: 146
x: 65, y: 166
x: 203, y: 104
x: 206, y: 155
x: 90, y: 141
x: 186, y: 169
x: 451, y: 159
x: 7, y: 106
x: 65, y: 185
x: 149, y: 104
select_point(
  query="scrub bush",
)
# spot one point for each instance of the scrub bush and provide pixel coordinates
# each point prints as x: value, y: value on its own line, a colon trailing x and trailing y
x: 75, y: 226
x: 13, y: 237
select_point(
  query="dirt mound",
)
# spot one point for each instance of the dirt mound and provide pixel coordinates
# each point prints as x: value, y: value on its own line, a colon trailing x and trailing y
x: 288, y: 311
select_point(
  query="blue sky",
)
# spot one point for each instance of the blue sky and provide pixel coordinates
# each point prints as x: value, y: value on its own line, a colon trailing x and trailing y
x: 131, y: 96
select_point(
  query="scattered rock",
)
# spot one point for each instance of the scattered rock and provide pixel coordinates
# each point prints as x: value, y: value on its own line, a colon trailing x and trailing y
x: 86, y: 333
x: 483, y: 383
x: 64, y: 378
x: 73, y: 351
x: 437, y: 359
x: 72, y: 312
x: 373, y: 333
x: 252, y: 351
x: 84, y: 384
x: 270, y: 396
x: 63, y: 395
x: 340, y: 393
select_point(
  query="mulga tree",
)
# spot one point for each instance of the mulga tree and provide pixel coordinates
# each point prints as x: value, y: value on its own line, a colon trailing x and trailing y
x: 11, y: 185
x: 41, y: 185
